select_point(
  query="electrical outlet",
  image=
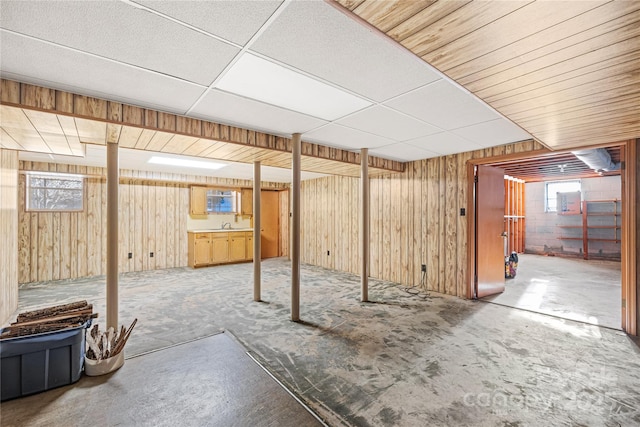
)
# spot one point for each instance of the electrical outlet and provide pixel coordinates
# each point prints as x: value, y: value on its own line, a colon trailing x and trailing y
x: 151, y: 254
x: 130, y: 255
x: 424, y: 268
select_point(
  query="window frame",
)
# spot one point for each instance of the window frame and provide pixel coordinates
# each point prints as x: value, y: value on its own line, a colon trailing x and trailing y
x: 52, y: 176
x: 546, y: 193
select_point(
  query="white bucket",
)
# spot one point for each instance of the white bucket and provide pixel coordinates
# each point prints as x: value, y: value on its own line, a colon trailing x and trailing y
x: 93, y: 368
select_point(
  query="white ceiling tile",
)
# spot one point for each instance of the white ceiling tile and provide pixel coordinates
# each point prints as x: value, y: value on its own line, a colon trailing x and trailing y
x: 232, y: 109
x: 122, y: 32
x: 444, y: 105
x: 444, y: 143
x: 268, y: 82
x: 388, y: 123
x: 319, y: 39
x: 236, y: 21
x: 403, y: 152
x: 492, y: 133
x: 32, y: 61
x: 343, y: 137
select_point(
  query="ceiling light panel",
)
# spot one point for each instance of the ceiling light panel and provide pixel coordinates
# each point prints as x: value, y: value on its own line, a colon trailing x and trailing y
x: 236, y: 21
x: 315, y: 37
x: 124, y: 33
x: 31, y: 61
x: 232, y: 109
x: 492, y: 133
x: 388, y: 123
x: 444, y: 143
x: 444, y: 105
x: 403, y: 152
x: 343, y: 137
x: 265, y: 81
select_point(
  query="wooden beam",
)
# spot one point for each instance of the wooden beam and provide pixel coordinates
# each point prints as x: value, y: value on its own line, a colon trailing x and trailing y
x: 31, y: 97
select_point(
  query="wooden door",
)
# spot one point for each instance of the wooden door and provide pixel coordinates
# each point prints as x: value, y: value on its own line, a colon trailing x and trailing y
x: 237, y: 247
x: 269, y: 209
x: 489, y: 231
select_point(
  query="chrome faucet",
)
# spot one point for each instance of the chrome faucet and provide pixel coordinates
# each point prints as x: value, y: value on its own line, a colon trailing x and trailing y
x: 224, y: 225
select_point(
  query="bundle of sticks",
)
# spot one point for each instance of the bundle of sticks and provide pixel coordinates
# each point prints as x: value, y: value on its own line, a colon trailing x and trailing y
x: 50, y: 319
x: 102, y: 345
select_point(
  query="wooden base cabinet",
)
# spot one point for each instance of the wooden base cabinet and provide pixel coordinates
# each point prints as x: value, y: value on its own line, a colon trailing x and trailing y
x: 249, y: 246
x: 237, y: 246
x: 219, y: 248
x: 199, y: 249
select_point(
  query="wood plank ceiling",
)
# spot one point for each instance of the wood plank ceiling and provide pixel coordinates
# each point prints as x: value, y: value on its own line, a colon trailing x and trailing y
x: 567, y: 72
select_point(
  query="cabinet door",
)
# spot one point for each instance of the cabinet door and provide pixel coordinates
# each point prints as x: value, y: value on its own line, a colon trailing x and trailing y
x: 249, y: 246
x: 220, y: 248
x: 202, y: 251
x: 237, y: 247
x: 198, y: 201
x: 246, y: 201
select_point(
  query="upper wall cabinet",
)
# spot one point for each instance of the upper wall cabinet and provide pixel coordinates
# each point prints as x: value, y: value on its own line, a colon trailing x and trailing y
x: 198, y: 201
x: 247, y: 201
x: 207, y: 200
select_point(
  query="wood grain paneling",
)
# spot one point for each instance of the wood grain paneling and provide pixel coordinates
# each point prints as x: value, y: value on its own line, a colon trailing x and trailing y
x: 9, y: 226
x: 70, y: 118
x: 415, y: 220
x: 537, y: 65
x: 153, y: 210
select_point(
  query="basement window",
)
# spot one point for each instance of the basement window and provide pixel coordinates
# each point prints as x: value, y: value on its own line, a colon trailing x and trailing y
x: 222, y: 201
x: 552, y: 188
x: 54, y: 192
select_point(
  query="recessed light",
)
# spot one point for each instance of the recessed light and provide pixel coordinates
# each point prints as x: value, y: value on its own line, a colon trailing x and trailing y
x: 172, y: 161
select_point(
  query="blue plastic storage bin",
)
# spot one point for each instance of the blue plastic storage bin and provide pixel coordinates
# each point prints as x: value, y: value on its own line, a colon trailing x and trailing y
x: 40, y: 362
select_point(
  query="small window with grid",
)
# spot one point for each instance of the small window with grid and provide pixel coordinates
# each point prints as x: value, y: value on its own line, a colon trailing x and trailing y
x: 54, y: 192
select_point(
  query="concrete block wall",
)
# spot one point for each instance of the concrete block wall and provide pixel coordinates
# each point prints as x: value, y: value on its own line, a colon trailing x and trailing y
x: 543, y: 229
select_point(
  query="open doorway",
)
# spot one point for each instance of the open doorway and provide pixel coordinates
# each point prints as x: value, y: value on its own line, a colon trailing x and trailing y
x: 569, y: 260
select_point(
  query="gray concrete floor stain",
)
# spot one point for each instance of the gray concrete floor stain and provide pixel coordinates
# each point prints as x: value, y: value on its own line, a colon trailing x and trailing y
x: 403, y: 360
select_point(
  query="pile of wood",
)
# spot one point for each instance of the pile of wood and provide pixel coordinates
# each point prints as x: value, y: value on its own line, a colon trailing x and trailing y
x: 50, y: 319
x: 102, y: 345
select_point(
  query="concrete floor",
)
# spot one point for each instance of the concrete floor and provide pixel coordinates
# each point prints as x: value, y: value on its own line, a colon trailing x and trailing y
x: 401, y: 360
x: 576, y: 289
x: 211, y: 381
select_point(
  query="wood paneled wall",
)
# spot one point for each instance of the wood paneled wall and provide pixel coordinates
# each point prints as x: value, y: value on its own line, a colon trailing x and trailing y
x: 285, y: 237
x: 8, y: 231
x: 415, y: 220
x: 153, y: 209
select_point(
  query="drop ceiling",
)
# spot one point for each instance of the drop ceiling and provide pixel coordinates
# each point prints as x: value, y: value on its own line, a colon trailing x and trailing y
x: 568, y: 72
x: 271, y: 66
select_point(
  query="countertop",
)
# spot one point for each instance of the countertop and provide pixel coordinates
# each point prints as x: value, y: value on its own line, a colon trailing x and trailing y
x: 220, y: 230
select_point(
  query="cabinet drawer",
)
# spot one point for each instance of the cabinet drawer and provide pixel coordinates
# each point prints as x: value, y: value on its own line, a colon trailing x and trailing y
x: 202, y: 235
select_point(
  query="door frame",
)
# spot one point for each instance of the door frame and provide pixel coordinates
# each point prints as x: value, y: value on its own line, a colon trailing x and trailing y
x: 628, y: 248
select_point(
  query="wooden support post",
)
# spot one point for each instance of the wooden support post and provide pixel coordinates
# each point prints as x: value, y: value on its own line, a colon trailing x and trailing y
x: 364, y: 224
x: 256, y: 231
x: 295, y: 228
x: 112, y: 234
